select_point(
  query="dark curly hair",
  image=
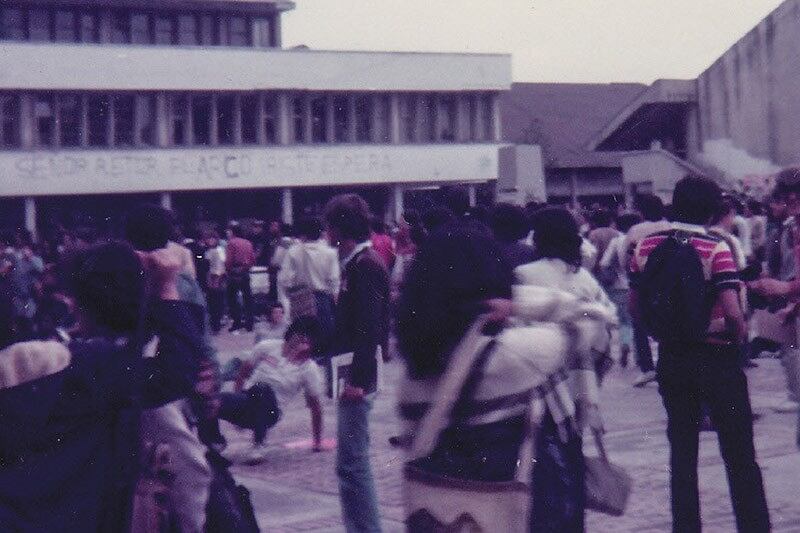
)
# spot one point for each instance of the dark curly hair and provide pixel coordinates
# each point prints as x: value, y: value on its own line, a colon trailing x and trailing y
x: 456, y: 270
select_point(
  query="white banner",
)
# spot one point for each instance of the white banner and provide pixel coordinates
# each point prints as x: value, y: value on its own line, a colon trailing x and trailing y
x: 118, y: 171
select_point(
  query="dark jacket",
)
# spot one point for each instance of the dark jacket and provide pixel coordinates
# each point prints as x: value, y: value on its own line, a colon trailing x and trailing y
x: 68, y: 423
x: 362, y: 315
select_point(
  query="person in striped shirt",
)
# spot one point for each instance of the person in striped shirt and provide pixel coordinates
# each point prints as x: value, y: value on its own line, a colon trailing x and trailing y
x: 692, y: 374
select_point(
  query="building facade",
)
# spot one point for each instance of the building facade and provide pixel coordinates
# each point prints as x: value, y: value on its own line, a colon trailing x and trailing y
x: 737, y: 121
x: 196, y: 105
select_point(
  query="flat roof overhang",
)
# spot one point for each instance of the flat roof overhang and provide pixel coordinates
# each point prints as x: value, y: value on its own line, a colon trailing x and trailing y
x: 662, y: 103
x: 242, y: 6
x: 52, y: 66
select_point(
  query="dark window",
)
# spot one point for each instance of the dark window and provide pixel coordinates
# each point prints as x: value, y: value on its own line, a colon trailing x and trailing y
x: 178, y: 105
x: 70, y: 111
x: 383, y: 117
x: 89, y: 28
x: 207, y: 30
x: 140, y: 28
x: 187, y: 30
x: 262, y: 32
x: 201, y: 119
x: 319, y: 119
x: 120, y: 27
x: 9, y: 121
x: 408, y: 110
x: 124, y: 119
x: 298, y: 118
x: 238, y: 31
x: 164, y: 27
x: 428, y: 118
x: 12, y: 24
x: 98, y: 111
x: 66, y: 27
x: 226, y: 111
x: 363, y: 119
x: 270, y: 120
x: 146, y: 119
x: 341, y: 119
x: 448, y: 118
x: 487, y: 108
x: 250, y: 114
x: 39, y: 25
x: 474, y: 131
x: 44, y: 120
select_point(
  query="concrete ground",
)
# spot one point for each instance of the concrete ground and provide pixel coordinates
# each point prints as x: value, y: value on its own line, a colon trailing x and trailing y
x: 295, y: 489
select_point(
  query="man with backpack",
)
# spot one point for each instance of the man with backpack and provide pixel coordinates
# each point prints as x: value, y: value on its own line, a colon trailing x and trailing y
x: 687, y: 295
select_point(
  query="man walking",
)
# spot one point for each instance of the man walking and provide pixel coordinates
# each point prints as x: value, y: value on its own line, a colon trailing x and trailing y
x: 687, y: 291
x: 240, y: 258
x: 361, y: 314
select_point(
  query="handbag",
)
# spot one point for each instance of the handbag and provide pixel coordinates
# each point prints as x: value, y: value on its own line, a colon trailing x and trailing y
x: 608, y: 486
x: 302, y: 301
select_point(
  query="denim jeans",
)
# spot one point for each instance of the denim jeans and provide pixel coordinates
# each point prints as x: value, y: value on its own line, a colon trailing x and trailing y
x: 356, y: 487
x: 256, y: 409
x: 690, y: 377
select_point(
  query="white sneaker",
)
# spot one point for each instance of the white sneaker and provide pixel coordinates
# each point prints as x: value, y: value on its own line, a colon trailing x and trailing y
x: 787, y: 406
x: 644, y: 379
x: 257, y: 453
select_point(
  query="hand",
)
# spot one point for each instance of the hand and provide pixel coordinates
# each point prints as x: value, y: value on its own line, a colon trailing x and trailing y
x: 770, y: 288
x: 351, y: 393
x: 499, y: 309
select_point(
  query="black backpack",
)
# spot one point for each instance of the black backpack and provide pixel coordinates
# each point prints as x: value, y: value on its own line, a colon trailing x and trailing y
x: 673, y: 294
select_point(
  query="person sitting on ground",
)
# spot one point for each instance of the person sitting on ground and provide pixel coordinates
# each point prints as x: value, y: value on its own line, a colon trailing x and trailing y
x: 277, y: 373
x: 275, y: 326
x: 68, y: 437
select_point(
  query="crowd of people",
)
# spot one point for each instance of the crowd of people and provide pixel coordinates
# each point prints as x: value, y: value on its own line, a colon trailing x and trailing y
x: 109, y: 358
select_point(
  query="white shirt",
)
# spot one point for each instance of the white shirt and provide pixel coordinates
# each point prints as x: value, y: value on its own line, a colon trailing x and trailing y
x: 322, y: 267
x: 286, y: 379
x: 616, y: 258
x: 216, y: 260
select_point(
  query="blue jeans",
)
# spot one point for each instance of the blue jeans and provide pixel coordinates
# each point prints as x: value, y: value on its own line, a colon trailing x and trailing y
x: 356, y: 487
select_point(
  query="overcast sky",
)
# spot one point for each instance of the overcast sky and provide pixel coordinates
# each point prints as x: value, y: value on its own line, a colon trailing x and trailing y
x: 550, y: 40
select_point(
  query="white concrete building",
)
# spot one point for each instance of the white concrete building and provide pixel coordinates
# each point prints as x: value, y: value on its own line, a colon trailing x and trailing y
x: 193, y: 103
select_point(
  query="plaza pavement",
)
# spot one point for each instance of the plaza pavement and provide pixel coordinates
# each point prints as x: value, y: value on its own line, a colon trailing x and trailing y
x: 295, y: 489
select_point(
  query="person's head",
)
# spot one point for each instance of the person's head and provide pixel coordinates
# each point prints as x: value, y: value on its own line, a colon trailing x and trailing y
x: 309, y: 228
x: 276, y: 313
x: 108, y: 283
x: 301, y: 339
x: 627, y: 220
x: 378, y: 226
x: 149, y: 227
x: 347, y: 219
x: 436, y: 217
x: 726, y: 214
x: 777, y: 208
x: 696, y: 200
x: 556, y: 235
x: 509, y: 223
x: 456, y: 199
x: 236, y: 230
x: 755, y: 208
x: 601, y: 218
x: 456, y: 270
x: 275, y: 228
x: 788, y: 189
x: 650, y: 206
x: 210, y: 238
